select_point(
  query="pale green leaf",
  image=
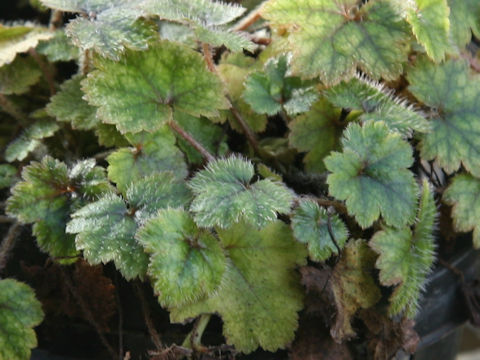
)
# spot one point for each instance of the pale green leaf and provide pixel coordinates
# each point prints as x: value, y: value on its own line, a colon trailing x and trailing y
x: 372, y: 175
x: 259, y: 295
x: 406, y: 256
x: 234, y: 41
x: 19, y: 39
x: 48, y: 194
x: 186, y: 263
x: 464, y: 18
x: 109, y: 136
x: 317, y: 132
x: 377, y: 103
x: 224, y: 194
x: 67, y: 105
x: 332, y: 38
x: 462, y: 194
x: 145, y: 89
x: 310, y: 226
x: 151, y: 153
x: 453, y: 93
x: 19, y: 76
x: 8, y: 175
x: 58, y: 48
x: 20, y: 312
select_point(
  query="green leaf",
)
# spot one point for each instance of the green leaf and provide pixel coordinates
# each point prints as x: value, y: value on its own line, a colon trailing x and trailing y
x: 19, y: 76
x: 259, y: 295
x: 224, y: 195
x: 30, y: 139
x: 430, y: 23
x: 462, y: 194
x: 186, y: 263
x: 234, y: 41
x: 151, y: 153
x: 8, y: 175
x: 353, y: 287
x: 453, y: 93
x: 377, y: 103
x: 464, y: 19
x: 19, y: 39
x: 47, y: 196
x: 270, y: 91
x: 146, y: 89
x: 106, y: 228
x: 332, y: 38
x: 58, y: 48
x: 20, y: 312
x: 109, y: 136
x: 316, y: 132
x: 68, y: 106
x: 406, y: 256
x: 310, y: 226
x: 372, y: 175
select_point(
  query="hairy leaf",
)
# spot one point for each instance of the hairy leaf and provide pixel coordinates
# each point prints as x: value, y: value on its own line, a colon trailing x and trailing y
x: 353, y: 287
x: 19, y: 76
x: 271, y: 91
x: 68, y: 106
x: 462, y: 195
x: 30, y: 139
x: 8, y: 175
x: 332, y: 38
x: 106, y: 228
x: 318, y: 133
x: 406, y: 256
x: 47, y: 196
x: 224, y: 195
x: 151, y: 153
x: 19, y: 39
x: 310, y: 225
x: 372, y: 175
x: 464, y: 18
x: 259, y: 294
x: 186, y: 263
x: 58, y: 48
x: 453, y: 94
x: 20, y: 311
x: 377, y: 103
x: 146, y: 89
x: 109, y: 136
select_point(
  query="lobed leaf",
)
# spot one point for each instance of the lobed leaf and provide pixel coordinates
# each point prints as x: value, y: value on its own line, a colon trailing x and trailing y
x: 372, y: 175
x: 20, y: 312
x: 8, y: 175
x: 225, y: 195
x: 332, y: 38
x: 453, y: 94
x: 310, y: 226
x: 58, y: 48
x: 259, y: 295
x: 18, y: 76
x: 146, y: 89
x: 464, y: 19
x: 406, y: 256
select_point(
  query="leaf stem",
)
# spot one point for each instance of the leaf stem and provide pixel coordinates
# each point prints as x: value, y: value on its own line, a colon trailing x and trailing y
x: 208, y: 56
x: 147, y: 317
x: 56, y: 18
x: 250, y: 135
x: 12, y: 110
x: 185, y: 135
x: 337, y: 205
x: 8, y: 244
x: 249, y: 20
x: 46, y: 70
x: 194, y: 338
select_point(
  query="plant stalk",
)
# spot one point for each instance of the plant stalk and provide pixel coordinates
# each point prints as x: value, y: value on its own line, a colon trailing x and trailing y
x: 197, y: 146
x: 8, y: 243
x: 194, y: 338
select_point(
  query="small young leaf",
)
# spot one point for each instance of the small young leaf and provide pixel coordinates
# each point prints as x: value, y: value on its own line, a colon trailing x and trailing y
x: 48, y: 194
x: 453, y: 93
x: 68, y: 106
x: 30, y: 139
x: 431, y: 25
x: 270, y: 91
x: 332, y: 38
x: 224, y: 195
x: 19, y: 39
x: 19, y: 76
x: 8, y: 175
x: 317, y: 132
x: 58, y: 48
x: 372, y: 175
x: 146, y: 89
x: 20, y: 312
x: 310, y: 226
x: 462, y: 195
x: 406, y: 256
x: 464, y: 19
x: 353, y: 287
x: 377, y: 103
x: 109, y: 136
x: 186, y: 263
x: 152, y: 153
x: 259, y: 295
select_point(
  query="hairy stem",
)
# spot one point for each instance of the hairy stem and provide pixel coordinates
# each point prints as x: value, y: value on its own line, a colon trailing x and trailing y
x: 46, y: 70
x: 194, y: 338
x: 56, y: 20
x: 7, y: 244
x: 147, y: 316
x: 337, y: 205
x: 250, y: 135
x: 249, y: 20
x: 207, y: 55
x: 196, y: 145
